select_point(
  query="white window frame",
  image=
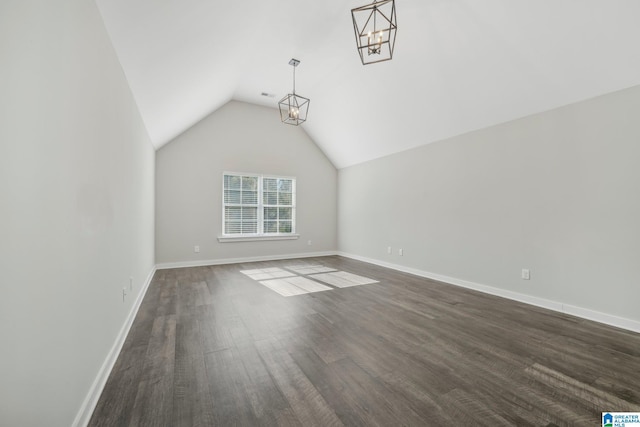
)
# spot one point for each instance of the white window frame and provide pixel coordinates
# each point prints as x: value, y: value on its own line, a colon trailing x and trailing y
x: 260, y: 235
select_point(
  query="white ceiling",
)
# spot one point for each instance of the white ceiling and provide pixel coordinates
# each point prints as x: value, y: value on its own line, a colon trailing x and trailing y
x: 459, y: 65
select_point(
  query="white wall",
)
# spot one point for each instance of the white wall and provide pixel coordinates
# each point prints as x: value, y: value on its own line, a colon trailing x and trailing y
x: 239, y: 137
x: 76, y: 206
x: 558, y: 193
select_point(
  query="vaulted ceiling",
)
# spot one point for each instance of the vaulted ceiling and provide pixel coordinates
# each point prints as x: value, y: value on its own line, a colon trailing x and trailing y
x: 459, y: 65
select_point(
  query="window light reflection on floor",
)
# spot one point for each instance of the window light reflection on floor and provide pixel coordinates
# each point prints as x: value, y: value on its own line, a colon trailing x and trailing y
x: 289, y: 281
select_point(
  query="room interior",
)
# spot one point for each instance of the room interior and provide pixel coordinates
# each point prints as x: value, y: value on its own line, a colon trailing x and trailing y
x: 495, y: 152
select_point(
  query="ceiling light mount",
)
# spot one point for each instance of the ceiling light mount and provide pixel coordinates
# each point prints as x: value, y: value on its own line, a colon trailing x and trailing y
x: 375, y: 26
x: 294, y: 108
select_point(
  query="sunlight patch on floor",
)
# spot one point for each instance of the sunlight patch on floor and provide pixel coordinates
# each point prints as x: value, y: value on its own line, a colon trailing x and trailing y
x: 342, y: 279
x: 289, y: 281
x: 294, y: 286
x: 267, y: 273
x: 309, y: 269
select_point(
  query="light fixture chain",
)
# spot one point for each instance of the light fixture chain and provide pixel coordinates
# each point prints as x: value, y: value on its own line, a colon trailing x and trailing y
x: 375, y: 15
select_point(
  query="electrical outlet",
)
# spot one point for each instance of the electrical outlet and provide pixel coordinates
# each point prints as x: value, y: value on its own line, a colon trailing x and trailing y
x: 400, y: 252
x: 308, y: 242
x: 130, y: 283
x: 389, y: 250
x: 526, y: 275
x: 196, y: 249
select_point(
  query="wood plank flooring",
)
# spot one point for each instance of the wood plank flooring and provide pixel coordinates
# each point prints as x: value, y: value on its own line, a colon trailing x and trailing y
x: 210, y: 346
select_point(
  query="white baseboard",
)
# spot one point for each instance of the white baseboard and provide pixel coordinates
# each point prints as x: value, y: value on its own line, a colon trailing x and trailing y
x: 222, y: 261
x: 607, y: 319
x: 88, y: 406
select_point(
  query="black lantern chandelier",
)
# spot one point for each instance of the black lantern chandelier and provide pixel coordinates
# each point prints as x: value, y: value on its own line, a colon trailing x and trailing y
x: 375, y: 26
x: 294, y: 108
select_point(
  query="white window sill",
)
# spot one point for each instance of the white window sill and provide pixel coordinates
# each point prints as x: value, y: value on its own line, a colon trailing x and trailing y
x: 233, y: 239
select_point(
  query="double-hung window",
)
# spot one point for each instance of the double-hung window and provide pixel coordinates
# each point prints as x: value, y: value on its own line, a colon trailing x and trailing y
x: 258, y: 205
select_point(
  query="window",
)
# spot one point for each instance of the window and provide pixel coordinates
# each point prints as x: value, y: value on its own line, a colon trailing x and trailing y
x: 257, y: 205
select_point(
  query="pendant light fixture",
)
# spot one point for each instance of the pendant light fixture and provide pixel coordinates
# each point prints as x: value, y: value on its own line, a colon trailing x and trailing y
x: 375, y: 26
x: 294, y: 108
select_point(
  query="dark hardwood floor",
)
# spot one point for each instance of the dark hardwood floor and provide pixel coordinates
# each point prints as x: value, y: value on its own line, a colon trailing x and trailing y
x: 210, y: 346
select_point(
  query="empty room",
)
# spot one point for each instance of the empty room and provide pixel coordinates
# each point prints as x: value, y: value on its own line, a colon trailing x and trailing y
x: 319, y: 213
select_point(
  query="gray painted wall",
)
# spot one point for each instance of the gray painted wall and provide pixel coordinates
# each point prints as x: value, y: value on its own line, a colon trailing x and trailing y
x: 239, y: 137
x: 76, y: 208
x: 557, y: 193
